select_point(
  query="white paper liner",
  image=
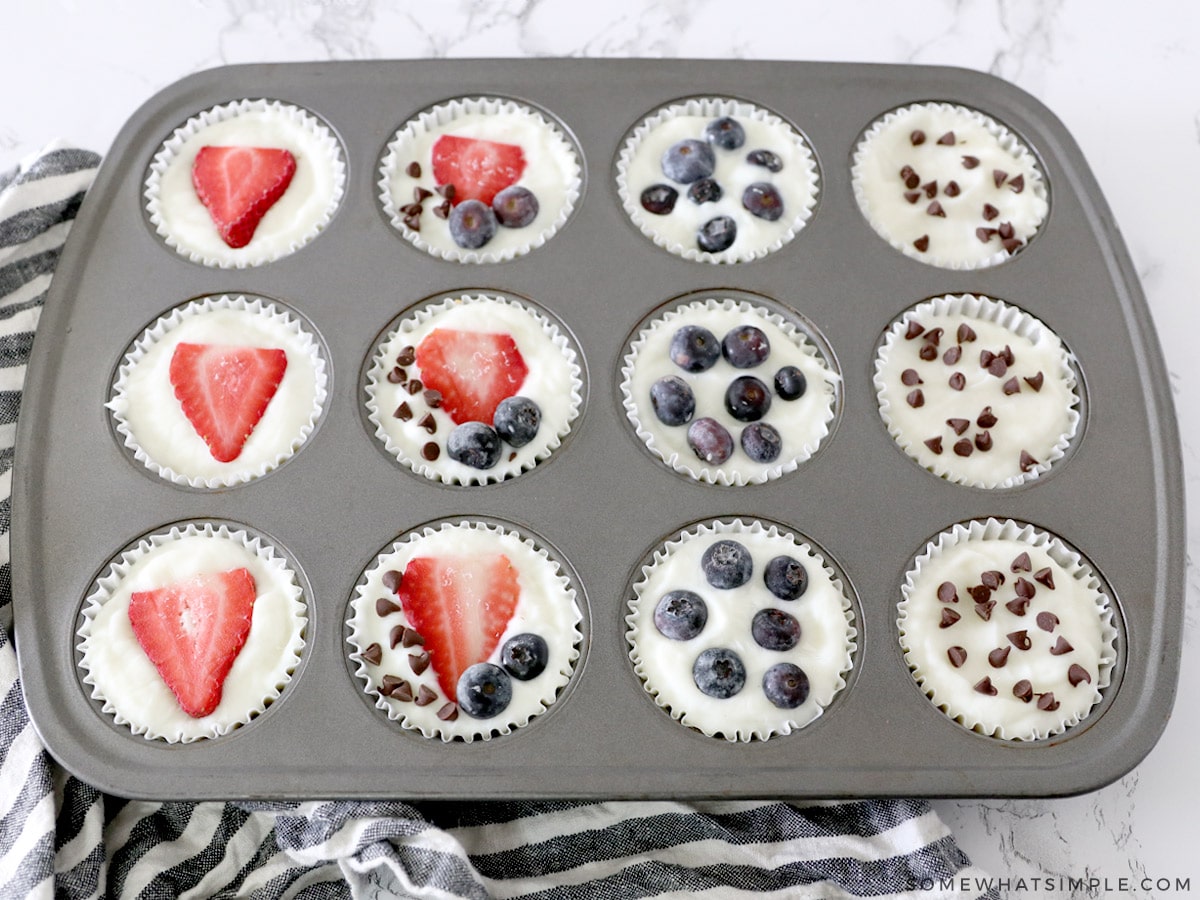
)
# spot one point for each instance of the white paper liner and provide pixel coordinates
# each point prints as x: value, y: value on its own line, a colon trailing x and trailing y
x: 547, y: 606
x: 817, y: 407
x: 1021, y: 324
x: 141, y: 700
x: 825, y: 651
x: 1007, y: 142
x: 554, y: 382
x: 800, y: 189
x: 1004, y: 723
x: 302, y: 213
x: 557, y: 151
x: 258, y: 456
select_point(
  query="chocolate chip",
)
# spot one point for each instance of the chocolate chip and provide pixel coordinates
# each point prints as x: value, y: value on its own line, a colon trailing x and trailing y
x: 1044, y: 576
x: 1012, y: 386
x: 912, y: 196
x: 992, y: 578
x: 446, y: 190
x: 1023, y: 690
x: 910, y: 377
x: 957, y: 655
x: 935, y: 209
x: 1017, y: 184
x: 949, y: 617
x: 965, y: 334
x: 947, y: 139
x: 391, y: 580
x: 917, y: 138
x: 1077, y: 675
x: 1024, y: 587
x: 432, y: 398
x: 390, y: 684
x: 1061, y: 646
x: 934, y: 336
x: 373, y: 654
x: 1036, y: 381
x: 990, y: 212
x: 906, y: 173
x: 1012, y: 245
x: 413, y: 221
x: 431, y: 451
x: 964, y: 447
x: 928, y: 352
x: 947, y: 593
x: 915, y: 399
x: 412, y: 638
x: 1006, y: 230
x: 425, y: 696
x: 1020, y: 639
x: 1027, y: 462
x: 1021, y: 563
x: 420, y: 195
x: 984, y: 610
x: 999, y: 176
x: 987, y: 418
x: 915, y: 329
x: 396, y: 375
x: 428, y: 422
x: 402, y: 692
x: 986, y: 357
x: 930, y: 189
x: 1047, y: 621
x: 412, y: 209
x: 407, y: 355
x: 983, y: 441
x: 442, y: 210
x: 980, y: 593
x: 958, y: 381
x: 1018, y: 606
x: 997, y: 367
x: 385, y: 607
x: 1046, y: 702
x: 396, y: 636
x: 998, y: 657
x: 419, y: 661
x: 951, y: 189
x: 959, y: 425
x: 414, y: 386
x: 985, y: 234
x: 922, y: 243
x: 448, y: 713
x: 911, y: 178
x: 952, y: 355
x: 413, y: 170
x: 970, y: 162
x: 935, y: 445
x: 986, y: 687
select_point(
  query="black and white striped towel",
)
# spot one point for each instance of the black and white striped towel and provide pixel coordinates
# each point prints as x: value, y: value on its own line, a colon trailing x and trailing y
x: 61, y: 838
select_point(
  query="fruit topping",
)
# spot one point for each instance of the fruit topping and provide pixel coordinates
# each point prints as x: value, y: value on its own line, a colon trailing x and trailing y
x: 747, y: 399
x: 515, y: 206
x: 761, y: 442
x: 719, y: 673
x: 768, y: 159
x: 472, y: 370
x: 517, y: 420
x: 745, y: 346
x: 238, y: 185
x: 659, y: 199
x: 680, y: 615
x: 790, y: 383
x: 193, y: 631
x: 224, y: 391
x: 472, y: 224
x: 785, y: 685
x: 694, y: 348
x: 461, y: 605
x: 477, y: 169
x: 672, y: 400
x: 773, y: 629
x: 727, y: 564
x: 524, y: 656
x: 763, y: 200
x: 483, y: 691
x: 717, y: 234
x: 725, y: 133
x: 706, y: 190
x: 786, y: 578
x: 710, y: 441
x: 688, y: 160
x: 474, y: 444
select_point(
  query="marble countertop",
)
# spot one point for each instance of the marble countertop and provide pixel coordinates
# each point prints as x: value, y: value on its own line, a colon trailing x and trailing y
x: 1125, y: 80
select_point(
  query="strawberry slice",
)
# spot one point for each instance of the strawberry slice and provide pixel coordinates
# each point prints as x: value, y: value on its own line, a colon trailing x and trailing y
x: 472, y: 370
x: 239, y: 184
x: 224, y: 391
x: 193, y: 630
x: 478, y: 169
x: 460, y: 605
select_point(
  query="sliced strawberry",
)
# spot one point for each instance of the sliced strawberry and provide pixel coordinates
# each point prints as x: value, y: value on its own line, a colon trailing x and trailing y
x: 478, y: 169
x: 460, y: 605
x: 224, y: 391
x: 472, y: 370
x: 239, y: 184
x: 193, y: 630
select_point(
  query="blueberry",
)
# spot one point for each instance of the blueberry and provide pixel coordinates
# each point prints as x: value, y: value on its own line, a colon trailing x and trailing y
x: 680, y: 615
x: 763, y: 200
x: 694, y: 348
x: 688, y: 161
x: 710, y: 441
x: 716, y: 234
x: 765, y: 158
x: 484, y: 690
x: 786, y: 578
x: 515, y: 206
x: 474, y: 444
x: 659, y: 199
x: 472, y: 224
x: 725, y: 133
x: 747, y: 399
x: 785, y: 685
x: 524, y: 656
x: 727, y: 564
x: 706, y: 190
x: 745, y: 346
x: 790, y: 383
x: 761, y: 442
x: 672, y: 399
x: 773, y: 629
x: 516, y: 420
x: 719, y: 673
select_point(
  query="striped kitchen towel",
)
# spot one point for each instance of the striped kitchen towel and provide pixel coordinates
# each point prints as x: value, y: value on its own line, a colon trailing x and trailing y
x: 62, y: 838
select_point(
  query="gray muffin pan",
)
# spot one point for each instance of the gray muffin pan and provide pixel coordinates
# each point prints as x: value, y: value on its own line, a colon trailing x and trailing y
x: 602, y: 501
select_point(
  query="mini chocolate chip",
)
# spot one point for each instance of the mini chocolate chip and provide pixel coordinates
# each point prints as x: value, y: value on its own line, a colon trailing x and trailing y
x: 949, y: 617
x: 431, y: 451
x: 1022, y: 562
x: 442, y: 210
x: 446, y: 190
x: 993, y: 578
x: 1036, y: 381
x: 987, y: 418
x: 912, y: 179
x: 1012, y: 245
x: 1045, y: 577
x: 965, y: 334
x: 984, y: 610
x: 990, y: 212
x: 985, y: 234
x: 373, y: 654
x: 396, y: 636
x: 980, y: 593
x: 412, y: 209
x: 935, y: 209
x: 947, y: 593
x: 952, y: 355
x: 1006, y: 230
x: 906, y: 173
x: 986, y: 687
x: 922, y: 243
x: 935, y: 445
x: 1024, y: 588
x: 910, y: 377
x: 930, y: 189
x: 915, y: 399
x: 957, y: 655
x: 425, y: 696
x: 413, y: 221
x: 407, y: 355
x: 986, y: 357
x: 970, y: 162
x: 448, y: 713
x: 959, y: 425
x: 420, y: 195
x: 1027, y: 461
x: 999, y: 176
x: 391, y: 579
x: 934, y: 336
x: 419, y: 661
x: 432, y: 398
x: 917, y: 138
x: 1047, y: 621
x: 912, y: 196
x: 951, y: 189
x: 412, y: 638
x: 414, y: 386
x: 947, y: 139
x: 998, y: 657
x: 402, y: 692
x: 1020, y: 639
x: 413, y: 170
x: 385, y: 607
x: 1077, y: 675
x: 1023, y: 690
x: 915, y: 329
x: 396, y: 375
x: 1018, y: 606
x: 958, y: 381
x: 1012, y: 386
x: 928, y: 353
x: 403, y: 412
x: 428, y: 422
x: 964, y: 447
x: 1061, y: 646
x: 388, y: 685
x: 983, y: 441
x: 1046, y: 702
x: 998, y: 367
x: 1017, y: 184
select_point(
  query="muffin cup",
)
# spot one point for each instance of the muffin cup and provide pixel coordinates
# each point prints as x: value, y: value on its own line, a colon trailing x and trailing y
x: 122, y: 677
x: 296, y: 219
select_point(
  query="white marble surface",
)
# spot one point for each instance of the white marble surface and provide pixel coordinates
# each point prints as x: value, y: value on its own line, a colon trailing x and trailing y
x: 1124, y: 78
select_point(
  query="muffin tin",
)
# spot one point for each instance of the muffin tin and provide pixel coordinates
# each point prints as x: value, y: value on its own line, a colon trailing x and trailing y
x: 602, y: 502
